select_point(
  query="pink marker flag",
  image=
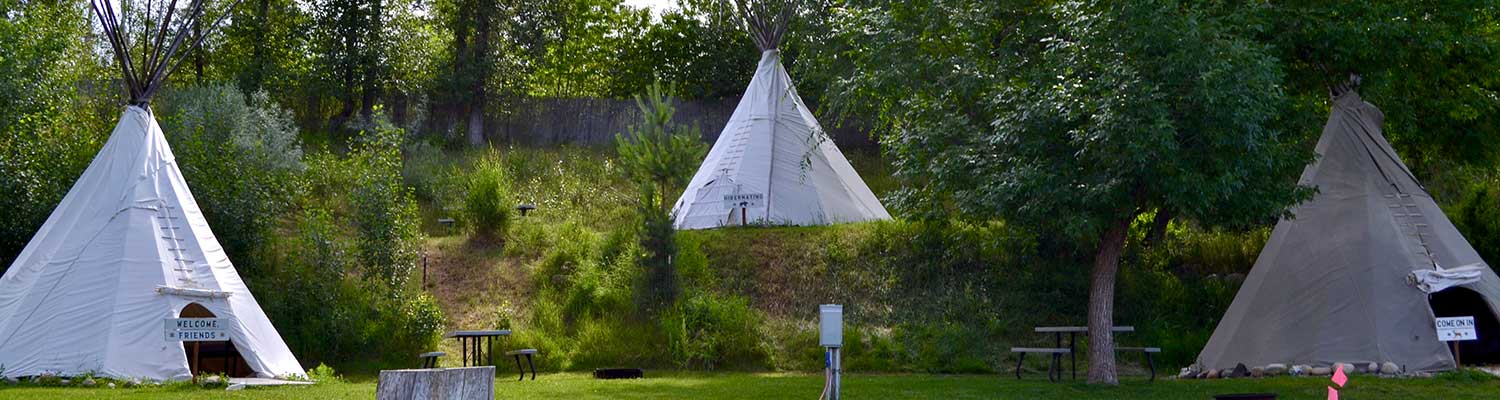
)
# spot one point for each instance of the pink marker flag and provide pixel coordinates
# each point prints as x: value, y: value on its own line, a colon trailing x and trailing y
x: 1333, y: 394
x: 1339, y: 377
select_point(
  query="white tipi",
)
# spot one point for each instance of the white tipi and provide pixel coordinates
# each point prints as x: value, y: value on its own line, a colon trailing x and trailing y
x: 127, y: 249
x: 774, y: 148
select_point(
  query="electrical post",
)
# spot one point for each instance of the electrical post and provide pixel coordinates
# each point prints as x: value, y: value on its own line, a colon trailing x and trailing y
x: 831, y: 336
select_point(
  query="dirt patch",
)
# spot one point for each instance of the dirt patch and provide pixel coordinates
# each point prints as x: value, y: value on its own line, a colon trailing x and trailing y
x: 472, y: 281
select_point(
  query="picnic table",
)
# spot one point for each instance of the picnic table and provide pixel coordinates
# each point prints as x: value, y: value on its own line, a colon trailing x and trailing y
x: 1073, y: 332
x: 469, y: 341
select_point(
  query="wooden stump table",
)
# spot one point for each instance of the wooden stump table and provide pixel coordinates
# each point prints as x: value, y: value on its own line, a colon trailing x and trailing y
x: 436, y: 384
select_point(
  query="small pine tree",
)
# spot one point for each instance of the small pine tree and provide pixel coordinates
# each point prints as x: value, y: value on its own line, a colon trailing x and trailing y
x: 659, y: 157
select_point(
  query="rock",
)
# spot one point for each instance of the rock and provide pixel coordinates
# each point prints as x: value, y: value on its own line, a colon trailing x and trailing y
x: 1203, y: 375
x: 1234, y: 278
x: 12, y: 380
x: 1372, y: 368
x: 1301, y: 370
x: 211, y: 380
x: 1226, y: 373
x: 1275, y: 369
x: 1212, y: 374
x: 1258, y: 372
x: 1320, y: 371
x: 1348, y: 368
x: 111, y: 385
x: 89, y: 382
x: 66, y: 382
x: 1389, y: 368
x: 1186, y: 373
x: 1239, y: 371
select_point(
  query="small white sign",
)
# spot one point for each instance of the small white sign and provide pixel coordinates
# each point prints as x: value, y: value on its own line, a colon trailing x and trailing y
x: 1456, y: 329
x: 743, y: 200
x: 195, y: 329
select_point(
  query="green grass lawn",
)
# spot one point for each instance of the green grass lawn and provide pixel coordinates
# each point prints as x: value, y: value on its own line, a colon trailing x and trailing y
x: 774, y: 385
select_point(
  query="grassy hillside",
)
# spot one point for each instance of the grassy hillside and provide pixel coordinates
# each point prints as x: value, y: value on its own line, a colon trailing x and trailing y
x: 945, y: 296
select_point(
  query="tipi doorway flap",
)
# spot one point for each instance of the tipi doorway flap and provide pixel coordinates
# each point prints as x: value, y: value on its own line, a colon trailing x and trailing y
x: 1462, y: 302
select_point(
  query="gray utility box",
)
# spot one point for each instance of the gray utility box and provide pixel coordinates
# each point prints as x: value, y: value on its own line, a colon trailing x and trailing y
x: 831, y: 325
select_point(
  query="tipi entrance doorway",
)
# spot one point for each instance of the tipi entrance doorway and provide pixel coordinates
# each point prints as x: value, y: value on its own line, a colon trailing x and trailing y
x: 1460, y: 302
x: 212, y: 358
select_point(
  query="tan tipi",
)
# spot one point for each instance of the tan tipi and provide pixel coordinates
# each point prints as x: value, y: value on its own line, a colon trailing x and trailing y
x: 1362, y: 271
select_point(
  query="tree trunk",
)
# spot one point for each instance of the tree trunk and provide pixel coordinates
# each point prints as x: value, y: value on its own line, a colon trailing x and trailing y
x: 373, y: 71
x: 1102, y: 304
x: 1158, y: 227
x: 476, y: 125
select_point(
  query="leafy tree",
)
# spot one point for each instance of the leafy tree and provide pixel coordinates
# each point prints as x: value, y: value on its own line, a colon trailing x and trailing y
x: 49, y: 131
x: 660, y: 158
x: 240, y: 155
x: 495, y: 47
x: 265, y: 47
x: 585, y: 59
x: 1429, y: 65
x: 1077, y: 117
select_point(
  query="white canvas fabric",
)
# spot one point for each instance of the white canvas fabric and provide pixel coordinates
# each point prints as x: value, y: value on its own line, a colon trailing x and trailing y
x: 1435, y: 280
x: 1330, y: 286
x: 126, y: 249
x: 773, y: 146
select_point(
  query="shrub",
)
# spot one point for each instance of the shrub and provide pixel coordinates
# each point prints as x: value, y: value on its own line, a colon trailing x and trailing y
x: 709, y: 331
x: 385, y: 210
x: 241, y: 156
x: 488, y: 202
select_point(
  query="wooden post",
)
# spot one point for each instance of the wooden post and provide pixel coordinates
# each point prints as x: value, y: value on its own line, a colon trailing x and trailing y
x: 744, y: 219
x: 1457, y: 363
x: 196, y: 355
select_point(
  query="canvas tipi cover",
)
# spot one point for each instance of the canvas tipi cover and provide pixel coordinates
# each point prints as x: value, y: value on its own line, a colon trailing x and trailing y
x: 1331, y: 286
x: 126, y: 249
x: 772, y: 146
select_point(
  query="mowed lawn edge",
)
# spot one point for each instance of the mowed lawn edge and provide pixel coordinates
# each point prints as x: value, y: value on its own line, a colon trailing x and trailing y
x: 687, y: 385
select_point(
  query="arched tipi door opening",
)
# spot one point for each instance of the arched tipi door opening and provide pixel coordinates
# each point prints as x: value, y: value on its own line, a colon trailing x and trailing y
x: 1460, y: 302
x: 213, y: 358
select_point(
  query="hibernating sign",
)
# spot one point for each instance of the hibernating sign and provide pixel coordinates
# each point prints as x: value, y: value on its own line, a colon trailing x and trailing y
x: 195, y: 329
x: 743, y: 200
x: 1455, y: 329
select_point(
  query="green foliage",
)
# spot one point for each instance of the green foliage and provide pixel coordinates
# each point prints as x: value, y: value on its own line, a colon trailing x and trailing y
x: 328, y: 314
x: 1477, y: 215
x: 488, y: 203
x: 1432, y: 76
x: 657, y: 154
x: 660, y: 158
x: 242, y: 158
x: 709, y: 331
x: 324, y: 373
x: 49, y: 128
x: 384, y: 209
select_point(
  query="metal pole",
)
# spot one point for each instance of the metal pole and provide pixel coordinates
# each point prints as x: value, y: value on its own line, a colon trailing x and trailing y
x: 837, y: 371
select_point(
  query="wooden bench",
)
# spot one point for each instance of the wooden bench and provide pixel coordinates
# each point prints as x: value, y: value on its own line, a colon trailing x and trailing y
x: 429, y: 359
x: 524, y: 352
x: 1054, y: 371
x: 1147, y: 351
